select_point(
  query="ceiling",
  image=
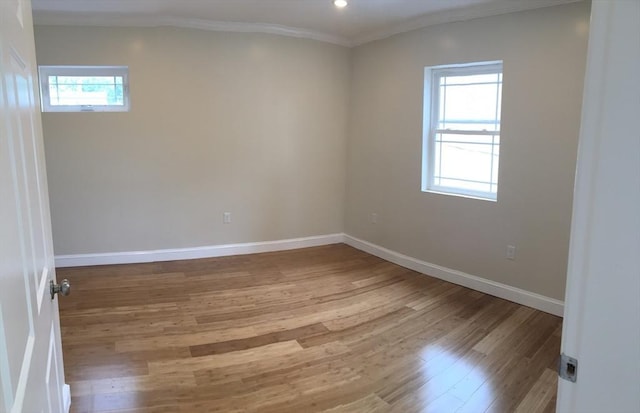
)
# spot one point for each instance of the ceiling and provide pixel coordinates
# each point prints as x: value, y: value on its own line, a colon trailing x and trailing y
x: 361, y: 21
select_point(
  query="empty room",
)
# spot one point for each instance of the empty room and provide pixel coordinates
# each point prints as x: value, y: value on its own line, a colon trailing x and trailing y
x: 320, y: 206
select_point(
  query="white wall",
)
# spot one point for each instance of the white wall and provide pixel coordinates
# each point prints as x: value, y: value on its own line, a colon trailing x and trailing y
x: 544, y: 54
x: 247, y: 123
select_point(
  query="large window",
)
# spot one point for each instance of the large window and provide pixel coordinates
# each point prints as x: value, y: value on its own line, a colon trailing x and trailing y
x: 462, y: 129
x: 84, y: 88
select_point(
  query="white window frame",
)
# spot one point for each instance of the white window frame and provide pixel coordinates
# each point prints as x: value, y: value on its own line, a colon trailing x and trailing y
x: 432, y: 77
x: 46, y: 71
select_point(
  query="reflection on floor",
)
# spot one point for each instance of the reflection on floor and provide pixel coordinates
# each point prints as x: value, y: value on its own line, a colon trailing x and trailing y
x: 319, y: 329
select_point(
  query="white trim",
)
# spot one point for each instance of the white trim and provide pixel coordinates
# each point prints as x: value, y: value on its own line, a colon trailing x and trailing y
x: 66, y: 397
x: 517, y: 295
x: 448, y: 16
x: 211, y: 251
x: 66, y: 19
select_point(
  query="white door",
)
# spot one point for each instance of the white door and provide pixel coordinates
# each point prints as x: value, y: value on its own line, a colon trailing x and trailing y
x: 602, y: 306
x: 31, y: 371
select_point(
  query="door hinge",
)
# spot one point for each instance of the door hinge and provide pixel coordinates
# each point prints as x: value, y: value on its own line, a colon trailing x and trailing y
x: 568, y: 368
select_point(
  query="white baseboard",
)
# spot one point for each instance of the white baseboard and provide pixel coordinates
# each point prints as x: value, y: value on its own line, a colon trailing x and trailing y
x: 517, y: 295
x: 540, y: 302
x: 133, y: 257
x: 66, y: 397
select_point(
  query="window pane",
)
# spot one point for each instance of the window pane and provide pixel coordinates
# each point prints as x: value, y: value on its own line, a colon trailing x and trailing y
x: 467, y: 186
x: 470, y: 162
x: 469, y: 107
x: 86, y: 90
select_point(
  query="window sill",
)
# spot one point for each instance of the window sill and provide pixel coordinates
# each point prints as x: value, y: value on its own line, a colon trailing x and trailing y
x: 461, y: 195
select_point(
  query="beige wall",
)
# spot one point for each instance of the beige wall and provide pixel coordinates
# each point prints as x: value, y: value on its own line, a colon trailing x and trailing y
x: 544, y: 54
x: 257, y: 125
x: 246, y: 123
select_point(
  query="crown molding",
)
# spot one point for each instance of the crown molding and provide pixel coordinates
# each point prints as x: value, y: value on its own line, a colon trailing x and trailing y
x: 462, y: 14
x: 448, y: 16
x: 59, y: 19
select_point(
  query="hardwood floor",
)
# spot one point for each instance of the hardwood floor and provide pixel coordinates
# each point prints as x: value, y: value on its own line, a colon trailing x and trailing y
x: 320, y: 329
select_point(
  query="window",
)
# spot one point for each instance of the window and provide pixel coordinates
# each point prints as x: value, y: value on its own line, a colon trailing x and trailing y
x: 461, y: 147
x: 84, y: 88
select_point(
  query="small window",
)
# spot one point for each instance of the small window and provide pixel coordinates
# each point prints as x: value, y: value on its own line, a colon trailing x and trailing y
x: 461, y: 147
x: 84, y: 88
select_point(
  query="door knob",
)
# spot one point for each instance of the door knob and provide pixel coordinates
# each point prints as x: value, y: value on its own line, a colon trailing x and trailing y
x: 63, y: 288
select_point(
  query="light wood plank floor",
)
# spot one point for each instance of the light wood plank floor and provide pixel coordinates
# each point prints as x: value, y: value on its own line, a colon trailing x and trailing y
x: 320, y: 329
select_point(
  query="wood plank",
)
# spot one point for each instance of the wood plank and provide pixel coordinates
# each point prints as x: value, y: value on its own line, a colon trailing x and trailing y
x: 540, y: 394
x: 370, y: 403
x: 225, y: 359
x: 258, y: 341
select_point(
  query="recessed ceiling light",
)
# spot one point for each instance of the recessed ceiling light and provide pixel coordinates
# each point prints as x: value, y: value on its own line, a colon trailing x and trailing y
x: 340, y: 3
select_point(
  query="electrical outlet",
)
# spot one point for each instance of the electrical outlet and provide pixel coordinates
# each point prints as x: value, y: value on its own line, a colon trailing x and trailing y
x: 511, y: 252
x: 226, y: 218
x: 374, y: 218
